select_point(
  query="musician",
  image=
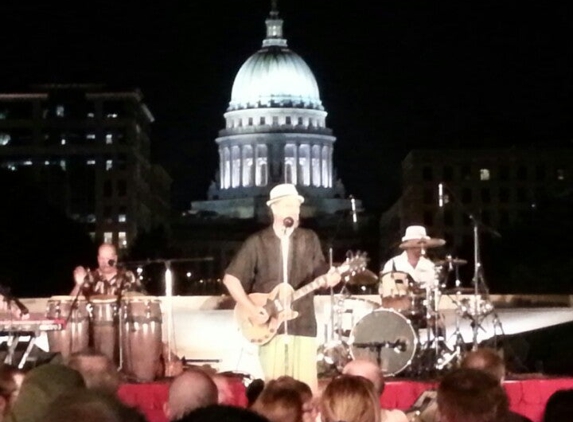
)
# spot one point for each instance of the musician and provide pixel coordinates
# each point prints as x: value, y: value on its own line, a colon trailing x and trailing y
x: 107, y: 279
x: 282, y: 253
x: 412, y: 262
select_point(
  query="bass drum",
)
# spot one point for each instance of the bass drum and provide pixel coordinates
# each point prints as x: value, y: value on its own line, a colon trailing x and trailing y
x: 386, y: 338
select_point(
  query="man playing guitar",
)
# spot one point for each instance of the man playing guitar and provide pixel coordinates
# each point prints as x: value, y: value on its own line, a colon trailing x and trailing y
x: 287, y: 255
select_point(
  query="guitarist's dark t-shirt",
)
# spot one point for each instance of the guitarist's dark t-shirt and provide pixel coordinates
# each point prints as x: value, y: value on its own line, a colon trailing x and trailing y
x: 258, y: 265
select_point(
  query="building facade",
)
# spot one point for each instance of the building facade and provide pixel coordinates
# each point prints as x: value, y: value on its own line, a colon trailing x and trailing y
x: 500, y: 187
x: 275, y: 132
x: 88, y: 149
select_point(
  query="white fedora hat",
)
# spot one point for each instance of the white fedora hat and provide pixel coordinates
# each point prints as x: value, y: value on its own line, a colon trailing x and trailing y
x: 415, y: 233
x: 283, y: 191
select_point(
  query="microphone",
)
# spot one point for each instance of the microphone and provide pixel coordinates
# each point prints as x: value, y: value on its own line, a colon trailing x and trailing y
x: 111, y: 262
x: 353, y: 206
x: 287, y: 223
x: 441, y: 200
x: 9, y: 297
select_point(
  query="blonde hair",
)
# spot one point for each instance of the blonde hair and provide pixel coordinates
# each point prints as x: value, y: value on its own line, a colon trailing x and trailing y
x: 351, y: 399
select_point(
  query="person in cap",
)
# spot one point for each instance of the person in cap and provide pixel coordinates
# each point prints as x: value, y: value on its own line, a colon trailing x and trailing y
x: 412, y: 263
x: 282, y: 253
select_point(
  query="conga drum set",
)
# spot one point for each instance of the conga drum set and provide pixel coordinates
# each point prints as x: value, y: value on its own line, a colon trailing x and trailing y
x: 128, y: 330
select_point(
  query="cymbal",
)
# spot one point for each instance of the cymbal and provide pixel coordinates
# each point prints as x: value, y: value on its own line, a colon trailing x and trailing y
x: 453, y: 261
x: 460, y: 290
x: 361, y: 277
x: 423, y: 243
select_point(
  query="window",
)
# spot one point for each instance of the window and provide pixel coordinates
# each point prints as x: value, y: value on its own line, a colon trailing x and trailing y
x: 121, y: 187
x: 560, y: 174
x: 108, y: 164
x: 121, y: 218
x: 275, y: 120
x: 427, y: 174
x: 261, y: 173
x: 92, y: 236
x: 91, y: 162
x: 466, y: 196
x: 90, y: 115
x: 428, y: 218
x: 262, y: 121
x: 60, y: 112
x: 448, y: 173
x: 287, y: 120
x: 250, y: 121
x: 235, y: 166
x: 504, y: 173
x: 107, y: 214
x: 484, y: 175
x: 290, y: 164
x: 522, y: 173
x: 90, y: 136
x: 448, y: 218
x: 504, y: 195
x: 107, y: 189
x: 300, y: 123
x: 466, y: 172
x: 108, y: 237
x: 521, y: 195
x: 63, y: 141
x: 325, y: 167
x: 428, y: 196
x: 63, y: 164
x: 122, y: 240
x: 485, y: 196
x: 315, y: 164
x: 108, y: 138
x: 304, y: 163
x: 247, y: 165
x: 540, y: 173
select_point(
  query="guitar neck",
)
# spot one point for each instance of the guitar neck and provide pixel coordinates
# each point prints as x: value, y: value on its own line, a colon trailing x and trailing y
x: 312, y: 286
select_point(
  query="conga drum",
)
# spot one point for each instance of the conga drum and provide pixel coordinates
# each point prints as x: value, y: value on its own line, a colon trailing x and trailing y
x: 74, y: 337
x: 104, y: 326
x: 140, y: 336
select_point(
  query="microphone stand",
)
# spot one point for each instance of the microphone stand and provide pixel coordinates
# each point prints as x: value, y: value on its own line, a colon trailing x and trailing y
x: 478, y: 278
x: 10, y: 298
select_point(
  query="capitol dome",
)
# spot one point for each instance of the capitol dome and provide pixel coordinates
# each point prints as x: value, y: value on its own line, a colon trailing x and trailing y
x: 275, y: 76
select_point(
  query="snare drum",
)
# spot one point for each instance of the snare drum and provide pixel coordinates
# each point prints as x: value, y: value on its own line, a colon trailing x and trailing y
x: 386, y: 338
x: 141, y: 336
x: 74, y: 337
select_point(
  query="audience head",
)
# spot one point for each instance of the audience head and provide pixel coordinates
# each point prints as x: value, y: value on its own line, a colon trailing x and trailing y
x: 254, y: 389
x: 91, y: 406
x: 487, y: 360
x: 309, y: 410
x: 41, y: 386
x: 559, y: 407
x: 222, y: 413
x: 279, y: 403
x: 224, y: 390
x: 471, y: 395
x: 10, y: 381
x: 351, y: 399
x: 368, y: 370
x: 189, y: 391
x: 97, y: 369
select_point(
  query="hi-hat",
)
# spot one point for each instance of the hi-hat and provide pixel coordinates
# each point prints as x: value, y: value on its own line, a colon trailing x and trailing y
x: 361, y: 277
x: 450, y: 260
x: 425, y: 243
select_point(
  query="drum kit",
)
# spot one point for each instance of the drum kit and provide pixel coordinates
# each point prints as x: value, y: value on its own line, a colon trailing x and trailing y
x: 128, y: 331
x: 404, y: 333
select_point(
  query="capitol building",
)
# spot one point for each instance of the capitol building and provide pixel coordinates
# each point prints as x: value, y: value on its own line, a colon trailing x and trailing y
x: 275, y: 132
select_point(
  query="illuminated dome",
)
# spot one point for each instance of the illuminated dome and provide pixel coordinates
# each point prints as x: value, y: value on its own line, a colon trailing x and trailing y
x: 275, y: 76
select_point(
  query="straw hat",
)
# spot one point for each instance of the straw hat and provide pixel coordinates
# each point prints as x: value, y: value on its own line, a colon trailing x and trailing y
x: 283, y: 191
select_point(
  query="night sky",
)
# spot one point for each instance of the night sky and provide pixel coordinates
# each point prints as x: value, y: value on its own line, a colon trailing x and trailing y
x: 393, y: 75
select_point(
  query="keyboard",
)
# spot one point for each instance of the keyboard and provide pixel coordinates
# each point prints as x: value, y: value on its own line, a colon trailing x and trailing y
x: 24, y: 326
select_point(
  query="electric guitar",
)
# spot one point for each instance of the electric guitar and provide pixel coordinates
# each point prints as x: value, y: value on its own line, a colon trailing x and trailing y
x: 278, y: 303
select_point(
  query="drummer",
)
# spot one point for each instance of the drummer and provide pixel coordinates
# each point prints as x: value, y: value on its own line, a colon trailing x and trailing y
x: 107, y: 279
x: 411, y: 269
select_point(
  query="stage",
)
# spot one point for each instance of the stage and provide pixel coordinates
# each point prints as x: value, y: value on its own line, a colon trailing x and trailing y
x: 527, y: 397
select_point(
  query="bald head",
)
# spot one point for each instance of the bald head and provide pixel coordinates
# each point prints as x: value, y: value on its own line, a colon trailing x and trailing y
x: 368, y: 370
x: 189, y: 391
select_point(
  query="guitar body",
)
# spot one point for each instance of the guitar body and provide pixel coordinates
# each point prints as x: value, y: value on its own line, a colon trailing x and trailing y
x: 277, y: 303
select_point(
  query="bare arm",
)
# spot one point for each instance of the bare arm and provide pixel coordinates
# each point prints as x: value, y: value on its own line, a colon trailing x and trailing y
x: 237, y: 292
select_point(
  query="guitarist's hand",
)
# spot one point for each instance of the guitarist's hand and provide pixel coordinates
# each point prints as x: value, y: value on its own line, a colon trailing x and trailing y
x: 259, y: 316
x: 331, y: 278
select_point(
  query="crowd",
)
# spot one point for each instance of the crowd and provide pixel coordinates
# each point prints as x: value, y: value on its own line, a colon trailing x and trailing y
x: 85, y: 390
